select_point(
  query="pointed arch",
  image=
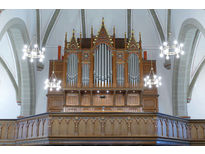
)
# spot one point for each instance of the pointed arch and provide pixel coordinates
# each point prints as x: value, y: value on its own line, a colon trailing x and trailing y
x: 188, y: 34
x: 18, y: 35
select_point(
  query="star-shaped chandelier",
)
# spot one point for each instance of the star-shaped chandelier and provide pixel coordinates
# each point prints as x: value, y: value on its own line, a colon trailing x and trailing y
x: 52, y: 82
x: 152, y: 79
x: 33, y: 53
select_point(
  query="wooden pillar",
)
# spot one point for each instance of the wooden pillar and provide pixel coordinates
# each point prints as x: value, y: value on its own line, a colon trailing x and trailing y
x: 126, y: 98
x: 79, y: 98
x: 126, y: 62
x: 114, y: 98
x: 141, y: 69
x: 126, y: 70
x: 141, y: 62
x: 91, y: 98
x: 79, y: 69
x: 114, y: 77
x: 91, y: 69
x: 64, y: 71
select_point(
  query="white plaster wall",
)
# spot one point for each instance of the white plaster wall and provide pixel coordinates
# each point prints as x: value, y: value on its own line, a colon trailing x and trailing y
x: 198, y: 56
x: 27, y: 15
x: 196, y: 108
x: 162, y: 16
x: 41, y: 76
x: 8, y: 108
x: 66, y: 22
x: 6, y: 53
x: 45, y: 17
x: 116, y: 17
x: 180, y: 15
x: 164, y: 91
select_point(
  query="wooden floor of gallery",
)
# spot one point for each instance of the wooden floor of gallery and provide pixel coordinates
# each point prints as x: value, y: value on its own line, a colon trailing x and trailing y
x: 102, y: 128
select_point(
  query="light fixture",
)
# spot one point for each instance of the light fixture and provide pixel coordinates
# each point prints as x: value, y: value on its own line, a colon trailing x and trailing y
x: 107, y: 91
x: 53, y: 82
x: 152, y: 79
x: 168, y: 49
x: 33, y: 53
x: 98, y: 91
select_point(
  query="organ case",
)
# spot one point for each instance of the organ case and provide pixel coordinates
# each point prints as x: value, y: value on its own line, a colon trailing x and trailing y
x: 103, y: 73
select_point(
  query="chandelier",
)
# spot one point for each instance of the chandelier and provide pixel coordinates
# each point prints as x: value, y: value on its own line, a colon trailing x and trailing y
x: 168, y: 49
x: 152, y: 79
x: 52, y: 82
x: 33, y: 53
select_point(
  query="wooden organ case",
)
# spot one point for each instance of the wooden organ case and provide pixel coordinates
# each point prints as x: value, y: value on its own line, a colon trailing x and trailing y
x: 102, y: 74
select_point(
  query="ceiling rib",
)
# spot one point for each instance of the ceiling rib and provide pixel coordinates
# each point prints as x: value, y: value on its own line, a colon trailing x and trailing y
x: 83, y: 22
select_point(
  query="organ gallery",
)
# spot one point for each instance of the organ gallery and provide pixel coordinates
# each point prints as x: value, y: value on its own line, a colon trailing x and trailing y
x: 101, y: 99
x: 102, y: 74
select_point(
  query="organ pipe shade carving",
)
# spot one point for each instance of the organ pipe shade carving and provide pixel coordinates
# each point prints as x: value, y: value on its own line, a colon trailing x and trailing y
x: 72, y: 70
x: 133, y: 69
x: 102, y: 66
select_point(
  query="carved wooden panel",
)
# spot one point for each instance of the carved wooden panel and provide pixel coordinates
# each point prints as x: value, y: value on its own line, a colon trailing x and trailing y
x: 72, y: 99
x: 55, y: 102
x: 150, y: 104
x: 133, y: 99
x: 92, y: 126
x: 120, y: 100
x: 85, y: 99
x: 103, y: 100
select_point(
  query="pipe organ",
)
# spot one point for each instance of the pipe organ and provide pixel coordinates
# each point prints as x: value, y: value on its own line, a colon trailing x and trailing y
x: 103, y: 74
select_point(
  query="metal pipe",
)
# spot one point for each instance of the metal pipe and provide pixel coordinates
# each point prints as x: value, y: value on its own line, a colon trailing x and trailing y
x: 100, y: 61
x: 105, y: 76
x: 94, y: 67
x: 97, y: 69
x: 111, y: 68
x: 123, y: 75
x: 108, y: 67
x: 134, y: 75
x: 103, y: 60
x: 70, y: 69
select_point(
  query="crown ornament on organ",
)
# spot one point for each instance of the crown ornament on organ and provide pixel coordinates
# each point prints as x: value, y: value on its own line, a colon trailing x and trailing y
x: 132, y: 44
x: 73, y: 44
x: 102, y: 34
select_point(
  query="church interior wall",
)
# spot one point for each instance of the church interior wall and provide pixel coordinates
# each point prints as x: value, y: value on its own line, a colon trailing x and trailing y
x: 150, y: 37
x: 9, y: 109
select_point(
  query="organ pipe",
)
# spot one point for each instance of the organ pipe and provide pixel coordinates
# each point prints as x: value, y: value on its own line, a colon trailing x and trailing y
x: 72, y: 72
x: 133, y: 69
x: 103, y: 68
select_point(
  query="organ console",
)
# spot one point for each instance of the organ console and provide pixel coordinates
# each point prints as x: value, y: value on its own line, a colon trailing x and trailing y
x: 102, y: 74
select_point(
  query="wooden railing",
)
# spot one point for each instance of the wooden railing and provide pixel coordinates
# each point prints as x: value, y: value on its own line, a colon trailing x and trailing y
x: 102, y: 128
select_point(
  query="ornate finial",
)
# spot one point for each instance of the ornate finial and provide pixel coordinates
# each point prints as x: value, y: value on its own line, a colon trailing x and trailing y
x: 132, y: 33
x: 66, y: 36
x: 73, y: 32
x: 80, y: 34
x: 102, y: 20
x: 114, y: 30
x: 92, y: 30
x: 140, y: 36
